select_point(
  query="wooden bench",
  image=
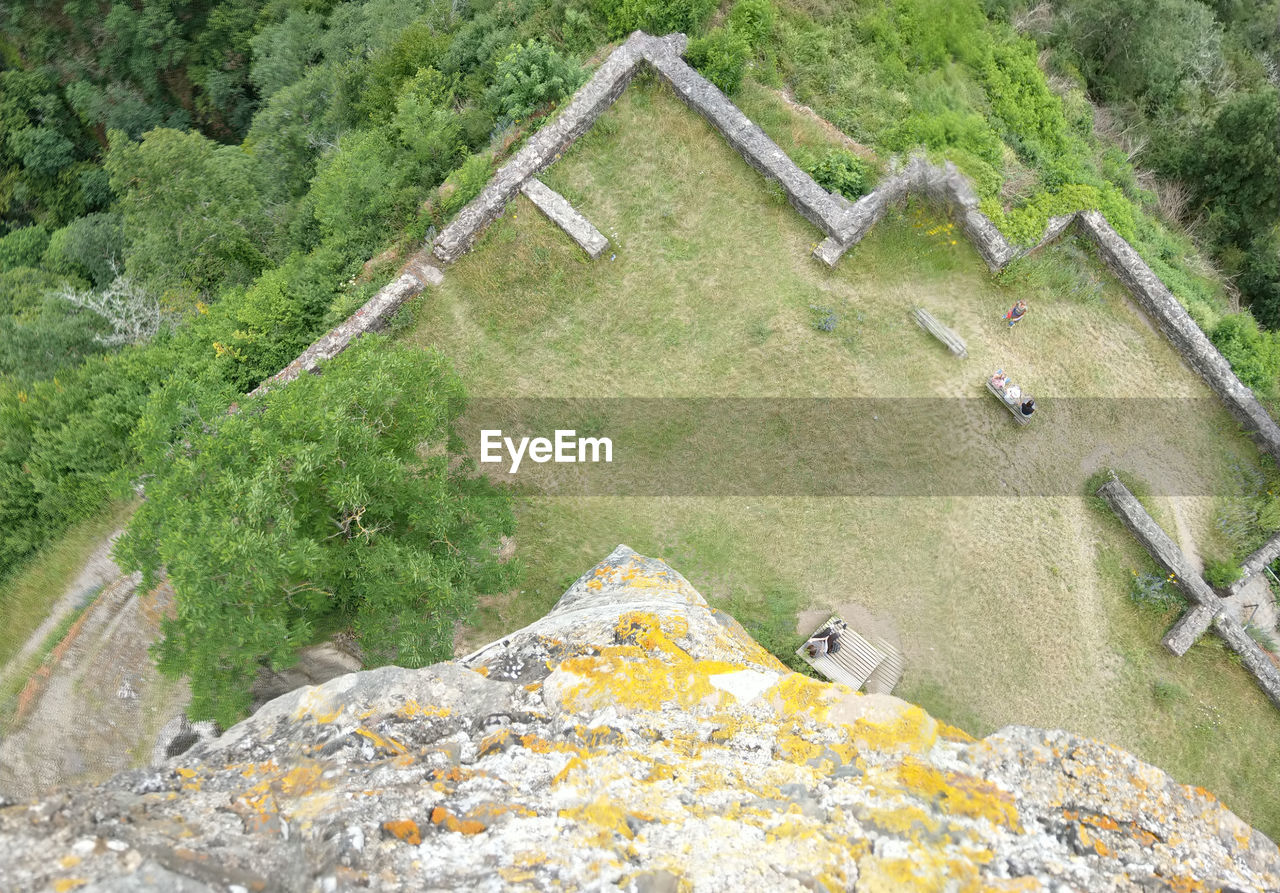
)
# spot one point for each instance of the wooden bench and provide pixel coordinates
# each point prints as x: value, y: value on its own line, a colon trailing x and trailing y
x: 855, y: 661
x: 1014, y: 406
x: 954, y: 342
x: 885, y: 677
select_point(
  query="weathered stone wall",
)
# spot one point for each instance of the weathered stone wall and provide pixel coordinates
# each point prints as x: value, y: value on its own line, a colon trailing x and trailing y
x: 563, y: 215
x: 372, y: 317
x: 1256, y: 562
x: 806, y: 196
x: 1189, y: 628
x: 1187, y: 578
x: 632, y: 739
x: 552, y: 139
x: 1180, y: 329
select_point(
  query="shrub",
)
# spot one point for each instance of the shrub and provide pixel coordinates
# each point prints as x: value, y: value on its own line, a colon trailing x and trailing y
x: 1154, y: 589
x: 753, y: 19
x: 1220, y: 573
x: 654, y: 16
x: 23, y: 247
x: 321, y: 503
x: 721, y: 57
x: 464, y: 184
x: 844, y: 172
x: 1254, y: 355
x: 530, y: 77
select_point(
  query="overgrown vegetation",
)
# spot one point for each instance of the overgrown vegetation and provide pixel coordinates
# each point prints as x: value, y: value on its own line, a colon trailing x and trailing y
x: 1192, y: 89
x: 187, y: 200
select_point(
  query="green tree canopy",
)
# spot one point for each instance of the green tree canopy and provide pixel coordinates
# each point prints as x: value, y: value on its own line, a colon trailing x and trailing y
x: 332, y: 500
x: 191, y: 209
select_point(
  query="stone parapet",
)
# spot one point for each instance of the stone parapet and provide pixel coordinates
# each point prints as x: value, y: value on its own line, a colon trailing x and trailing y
x: 1181, y: 330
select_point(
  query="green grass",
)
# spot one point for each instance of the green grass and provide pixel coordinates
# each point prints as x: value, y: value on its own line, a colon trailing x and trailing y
x: 27, y: 594
x: 1010, y: 609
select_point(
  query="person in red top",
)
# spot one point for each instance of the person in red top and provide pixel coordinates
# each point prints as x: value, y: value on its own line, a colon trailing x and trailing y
x: 1016, y: 313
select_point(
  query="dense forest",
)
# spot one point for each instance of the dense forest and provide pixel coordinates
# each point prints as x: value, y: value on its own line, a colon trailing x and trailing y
x: 189, y: 194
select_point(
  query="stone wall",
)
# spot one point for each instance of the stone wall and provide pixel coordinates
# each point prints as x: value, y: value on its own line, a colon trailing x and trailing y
x: 632, y: 739
x: 1187, y: 578
x: 1256, y: 562
x: 1180, y: 329
x: 552, y: 139
x: 806, y: 196
x: 372, y: 317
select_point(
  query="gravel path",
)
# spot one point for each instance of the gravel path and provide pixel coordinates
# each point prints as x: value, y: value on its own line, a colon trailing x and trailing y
x: 98, y: 572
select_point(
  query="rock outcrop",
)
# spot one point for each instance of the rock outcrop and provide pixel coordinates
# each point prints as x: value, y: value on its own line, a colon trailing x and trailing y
x: 633, y: 738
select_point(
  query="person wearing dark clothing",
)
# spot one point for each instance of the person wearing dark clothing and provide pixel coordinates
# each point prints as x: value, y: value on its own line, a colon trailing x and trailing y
x: 1029, y: 406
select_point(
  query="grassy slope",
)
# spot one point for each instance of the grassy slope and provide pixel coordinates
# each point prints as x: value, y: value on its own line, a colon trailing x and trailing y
x: 710, y: 294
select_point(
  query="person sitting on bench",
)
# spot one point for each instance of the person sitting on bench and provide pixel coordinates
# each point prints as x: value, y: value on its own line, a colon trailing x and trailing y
x: 999, y: 380
x: 824, y: 641
x: 1029, y: 405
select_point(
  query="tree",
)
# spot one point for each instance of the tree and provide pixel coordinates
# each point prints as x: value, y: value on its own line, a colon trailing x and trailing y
x: 131, y: 313
x: 334, y: 500
x: 530, y: 78
x: 1236, y: 166
x: 191, y: 209
x: 1148, y: 51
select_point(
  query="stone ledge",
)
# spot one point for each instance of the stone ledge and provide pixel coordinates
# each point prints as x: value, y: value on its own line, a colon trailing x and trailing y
x: 563, y: 215
x: 373, y: 316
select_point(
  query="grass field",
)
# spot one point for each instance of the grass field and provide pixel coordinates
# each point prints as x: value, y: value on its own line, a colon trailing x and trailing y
x: 1010, y: 609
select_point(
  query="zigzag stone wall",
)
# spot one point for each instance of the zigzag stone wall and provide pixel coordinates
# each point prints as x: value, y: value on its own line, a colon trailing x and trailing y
x: 846, y: 224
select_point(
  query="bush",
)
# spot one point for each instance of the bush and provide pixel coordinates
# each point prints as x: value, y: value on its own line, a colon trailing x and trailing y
x: 654, y: 16
x: 530, y: 77
x: 330, y: 502
x: 753, y: 20
x: 1220, y: 573
x: 464, y: 184
x: 1155, y: 589
x: 1254, y: 355
x: 23, y: 247
x: 721, y: 57
x: 843, y: 172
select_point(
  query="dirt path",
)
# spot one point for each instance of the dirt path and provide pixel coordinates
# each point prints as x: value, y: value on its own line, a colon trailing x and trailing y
x: 98, y: 572
x: 102, y: 706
